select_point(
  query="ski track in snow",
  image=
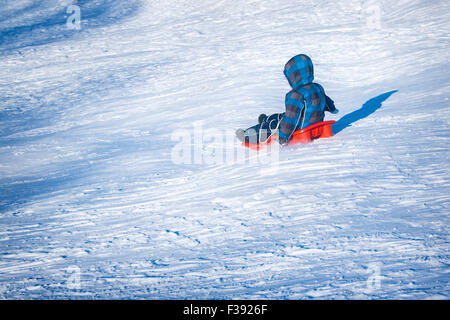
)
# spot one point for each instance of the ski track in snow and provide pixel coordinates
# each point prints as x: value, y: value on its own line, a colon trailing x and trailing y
x: 87, y: 180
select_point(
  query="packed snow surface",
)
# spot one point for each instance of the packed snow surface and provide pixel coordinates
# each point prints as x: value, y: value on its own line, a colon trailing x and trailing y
x: 95, y: 204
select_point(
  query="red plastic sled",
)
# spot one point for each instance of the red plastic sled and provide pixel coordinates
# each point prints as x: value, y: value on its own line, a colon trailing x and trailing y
x: 306, y: 135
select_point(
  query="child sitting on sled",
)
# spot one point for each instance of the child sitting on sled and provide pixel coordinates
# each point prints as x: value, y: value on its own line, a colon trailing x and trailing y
x: 305, y: 104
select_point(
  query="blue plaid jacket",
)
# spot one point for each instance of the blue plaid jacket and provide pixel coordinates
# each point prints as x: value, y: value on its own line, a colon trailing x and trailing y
x: 306, y: 102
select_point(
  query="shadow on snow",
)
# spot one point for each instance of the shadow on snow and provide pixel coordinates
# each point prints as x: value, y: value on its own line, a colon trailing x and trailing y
x: 366, y: 110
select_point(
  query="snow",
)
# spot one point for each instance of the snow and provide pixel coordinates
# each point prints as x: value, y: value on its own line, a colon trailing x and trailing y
x: 93, y: 205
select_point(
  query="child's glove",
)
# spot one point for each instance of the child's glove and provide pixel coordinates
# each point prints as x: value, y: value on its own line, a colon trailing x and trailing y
x: 329, y: 105
x: 335, y: 111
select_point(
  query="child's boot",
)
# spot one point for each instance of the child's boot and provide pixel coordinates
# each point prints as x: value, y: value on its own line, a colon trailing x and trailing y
x: 262, y: 117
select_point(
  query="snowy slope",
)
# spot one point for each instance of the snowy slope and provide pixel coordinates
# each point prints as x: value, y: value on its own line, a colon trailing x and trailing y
x: 89, y: 187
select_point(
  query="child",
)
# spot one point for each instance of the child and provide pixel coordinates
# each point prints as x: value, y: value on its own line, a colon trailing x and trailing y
x: 306, y: 104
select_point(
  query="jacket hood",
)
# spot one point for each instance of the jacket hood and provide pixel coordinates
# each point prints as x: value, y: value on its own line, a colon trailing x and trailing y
x: 299, y: 71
